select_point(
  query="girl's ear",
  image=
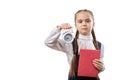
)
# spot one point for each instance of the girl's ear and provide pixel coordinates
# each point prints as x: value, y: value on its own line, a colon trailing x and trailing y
x: 93, y: 24
x: 75, y: 26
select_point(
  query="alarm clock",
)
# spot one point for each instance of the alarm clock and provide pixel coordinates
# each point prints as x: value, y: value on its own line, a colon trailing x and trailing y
x: 67, y: 35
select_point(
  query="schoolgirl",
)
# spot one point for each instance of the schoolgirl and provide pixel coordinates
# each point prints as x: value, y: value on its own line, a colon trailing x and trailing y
x: 84, y: 39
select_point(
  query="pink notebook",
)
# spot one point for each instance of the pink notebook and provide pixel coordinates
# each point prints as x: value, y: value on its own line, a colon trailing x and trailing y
x: 85, y: 65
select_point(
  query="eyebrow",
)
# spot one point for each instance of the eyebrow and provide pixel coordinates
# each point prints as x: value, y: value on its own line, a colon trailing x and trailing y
x: 84, y: 19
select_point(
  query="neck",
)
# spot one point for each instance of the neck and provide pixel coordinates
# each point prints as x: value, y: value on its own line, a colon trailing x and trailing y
x: 86, y: 34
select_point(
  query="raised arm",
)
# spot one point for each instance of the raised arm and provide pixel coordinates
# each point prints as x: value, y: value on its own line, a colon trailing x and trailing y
x: 53, y: 40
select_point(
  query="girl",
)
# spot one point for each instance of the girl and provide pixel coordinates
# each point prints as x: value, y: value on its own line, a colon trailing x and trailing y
x: 84, y: 39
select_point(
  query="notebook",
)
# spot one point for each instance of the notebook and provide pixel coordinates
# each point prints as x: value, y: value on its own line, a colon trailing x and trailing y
x: 85, y: 65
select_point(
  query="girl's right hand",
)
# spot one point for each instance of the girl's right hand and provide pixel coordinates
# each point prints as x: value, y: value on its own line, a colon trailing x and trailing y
x: 64, y: 26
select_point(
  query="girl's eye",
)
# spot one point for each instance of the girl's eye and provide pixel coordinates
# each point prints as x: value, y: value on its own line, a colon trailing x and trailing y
x: 80, y: 21
x: 87, y: 21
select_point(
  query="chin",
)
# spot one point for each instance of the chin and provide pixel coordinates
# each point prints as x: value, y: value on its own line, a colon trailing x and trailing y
x: 84, y: 33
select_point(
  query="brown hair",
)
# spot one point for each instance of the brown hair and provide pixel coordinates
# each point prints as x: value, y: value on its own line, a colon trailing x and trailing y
x: 75, y: 44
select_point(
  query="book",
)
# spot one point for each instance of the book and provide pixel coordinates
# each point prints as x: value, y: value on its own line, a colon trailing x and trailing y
x: 85, y: 65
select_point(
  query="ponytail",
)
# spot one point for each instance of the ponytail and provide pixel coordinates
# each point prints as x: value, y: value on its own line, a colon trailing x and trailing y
x: 94, y: 40
x: 75, y: 51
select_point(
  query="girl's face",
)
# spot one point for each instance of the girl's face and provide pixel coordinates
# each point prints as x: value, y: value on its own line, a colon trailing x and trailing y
x: 84, y: 23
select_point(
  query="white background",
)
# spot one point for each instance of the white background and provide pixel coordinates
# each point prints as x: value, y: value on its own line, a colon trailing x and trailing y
x: 25, y: 24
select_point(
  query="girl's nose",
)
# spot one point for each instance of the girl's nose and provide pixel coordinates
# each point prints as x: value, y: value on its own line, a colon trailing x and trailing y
x: 83, y: 23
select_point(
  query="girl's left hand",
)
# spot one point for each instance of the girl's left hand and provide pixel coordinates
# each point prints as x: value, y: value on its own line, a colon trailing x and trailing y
x: 98, y: 64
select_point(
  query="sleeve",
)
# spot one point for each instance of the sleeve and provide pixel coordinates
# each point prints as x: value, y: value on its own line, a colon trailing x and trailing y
x: 102, y: 56
x: 53, y: 41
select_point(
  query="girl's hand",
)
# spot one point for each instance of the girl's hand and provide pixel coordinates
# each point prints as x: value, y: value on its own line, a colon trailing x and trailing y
x: 98, y: 64
x: 64, y: 26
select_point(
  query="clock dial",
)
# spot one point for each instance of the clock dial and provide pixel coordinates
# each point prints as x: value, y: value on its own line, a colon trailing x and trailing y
x: 68, y: 37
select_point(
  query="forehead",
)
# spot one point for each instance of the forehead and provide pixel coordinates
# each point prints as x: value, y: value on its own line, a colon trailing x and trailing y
x: 83, y: 15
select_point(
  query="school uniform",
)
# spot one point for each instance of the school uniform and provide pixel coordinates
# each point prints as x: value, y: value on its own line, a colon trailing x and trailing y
x: 84, y: 42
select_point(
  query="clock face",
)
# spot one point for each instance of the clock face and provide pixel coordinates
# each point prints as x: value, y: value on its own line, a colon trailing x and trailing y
x: 68, y: 37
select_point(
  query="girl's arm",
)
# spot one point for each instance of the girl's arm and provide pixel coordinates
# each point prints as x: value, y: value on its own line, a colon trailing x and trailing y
x: 53, y: 41
x: 99, y: 64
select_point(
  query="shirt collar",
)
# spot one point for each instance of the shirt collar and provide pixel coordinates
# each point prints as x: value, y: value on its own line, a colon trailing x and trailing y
x: 85, y: 37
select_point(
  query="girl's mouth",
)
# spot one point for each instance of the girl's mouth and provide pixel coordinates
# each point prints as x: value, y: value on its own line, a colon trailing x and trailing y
x: 84, y: 28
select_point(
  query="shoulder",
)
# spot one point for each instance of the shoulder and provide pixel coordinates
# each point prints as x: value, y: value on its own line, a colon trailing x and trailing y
x: 101, y: 46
